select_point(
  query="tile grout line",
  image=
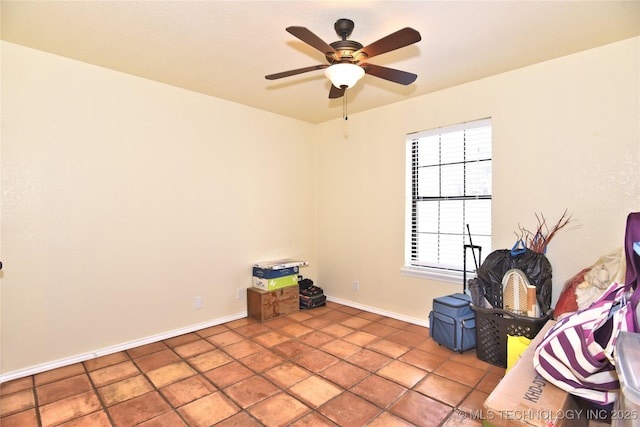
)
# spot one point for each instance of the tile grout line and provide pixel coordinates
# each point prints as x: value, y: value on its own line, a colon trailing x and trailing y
x: 99, y: 396
x: 155, y: 388
x: 35, y: 401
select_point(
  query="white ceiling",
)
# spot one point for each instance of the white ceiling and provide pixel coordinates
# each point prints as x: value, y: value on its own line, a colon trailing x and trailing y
x: 225, y: 48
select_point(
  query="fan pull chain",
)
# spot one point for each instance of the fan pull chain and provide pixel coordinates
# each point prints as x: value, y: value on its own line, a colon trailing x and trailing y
x: 344, y: 104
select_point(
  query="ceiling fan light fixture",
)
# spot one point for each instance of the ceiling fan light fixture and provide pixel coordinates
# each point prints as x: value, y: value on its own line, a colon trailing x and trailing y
x: 344, y: 74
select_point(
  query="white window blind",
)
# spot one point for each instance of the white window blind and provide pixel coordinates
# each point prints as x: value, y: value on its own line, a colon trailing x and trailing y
x: 448, y: 187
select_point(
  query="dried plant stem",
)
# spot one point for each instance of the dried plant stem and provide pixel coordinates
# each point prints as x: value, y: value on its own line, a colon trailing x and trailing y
x: 539, y: 240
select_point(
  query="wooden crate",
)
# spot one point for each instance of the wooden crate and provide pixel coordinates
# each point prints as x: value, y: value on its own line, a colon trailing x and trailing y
x: 264, y: 305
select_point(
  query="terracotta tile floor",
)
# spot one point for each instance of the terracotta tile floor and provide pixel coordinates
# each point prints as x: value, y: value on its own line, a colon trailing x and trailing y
x: 329, y: 366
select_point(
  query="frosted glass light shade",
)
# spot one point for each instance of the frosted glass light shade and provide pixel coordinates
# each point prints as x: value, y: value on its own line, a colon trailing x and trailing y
x: 344, y: 74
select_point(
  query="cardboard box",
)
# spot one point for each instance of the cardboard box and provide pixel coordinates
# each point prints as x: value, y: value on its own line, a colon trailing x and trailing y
x: 276, y: 283
x: 281, y: 263
x: 265, y: 305
x: 524, y: 399
x: 269, y: 273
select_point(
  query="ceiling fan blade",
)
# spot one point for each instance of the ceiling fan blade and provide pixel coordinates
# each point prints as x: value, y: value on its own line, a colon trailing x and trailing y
x: 294, y: 72
x: 391, y: 74
x: 334, y: 92
x: 312, y: 40
x: 393, y: 41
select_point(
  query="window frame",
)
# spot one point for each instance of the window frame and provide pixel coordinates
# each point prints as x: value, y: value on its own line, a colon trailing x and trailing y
x: 412, y: 268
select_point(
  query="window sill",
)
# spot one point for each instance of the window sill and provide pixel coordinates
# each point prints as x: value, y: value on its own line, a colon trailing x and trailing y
x: 433, y: 274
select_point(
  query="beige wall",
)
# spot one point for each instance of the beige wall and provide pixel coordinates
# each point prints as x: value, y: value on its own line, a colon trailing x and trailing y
x: 122, y: 198
x: 565, y: 135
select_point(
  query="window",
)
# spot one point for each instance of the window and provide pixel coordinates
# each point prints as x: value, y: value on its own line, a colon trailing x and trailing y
x: 448, y: 188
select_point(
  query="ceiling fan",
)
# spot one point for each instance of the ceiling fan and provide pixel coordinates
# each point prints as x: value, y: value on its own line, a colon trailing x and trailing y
x: 347, y: 58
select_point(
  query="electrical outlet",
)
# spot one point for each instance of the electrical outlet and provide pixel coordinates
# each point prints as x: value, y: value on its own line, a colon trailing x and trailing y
x: 197, y: 303
x: 356, y: 286
x: 240, y: 293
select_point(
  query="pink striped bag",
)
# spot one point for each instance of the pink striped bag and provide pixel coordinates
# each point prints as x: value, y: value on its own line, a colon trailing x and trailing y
x: 577, y: 354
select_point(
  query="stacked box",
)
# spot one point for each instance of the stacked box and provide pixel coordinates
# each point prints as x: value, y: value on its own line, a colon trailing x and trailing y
x: 272, y: 275
x: 275, y: 283
x: 265, y: 305
x: 268, y: 273
x: 280, y: 264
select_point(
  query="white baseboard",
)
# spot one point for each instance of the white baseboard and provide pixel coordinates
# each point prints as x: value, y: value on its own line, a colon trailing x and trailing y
x: 391, y: 314
x: 32, y: 370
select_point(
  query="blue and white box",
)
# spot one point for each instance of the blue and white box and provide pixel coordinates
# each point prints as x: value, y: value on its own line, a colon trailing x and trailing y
x: 268, y: 273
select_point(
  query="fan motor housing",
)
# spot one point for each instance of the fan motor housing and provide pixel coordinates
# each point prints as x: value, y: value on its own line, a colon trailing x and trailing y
x: 345, y: 48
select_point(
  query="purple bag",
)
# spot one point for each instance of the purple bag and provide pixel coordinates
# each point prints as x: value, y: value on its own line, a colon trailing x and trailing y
x: 577, y: 354
x: 632, y: 237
